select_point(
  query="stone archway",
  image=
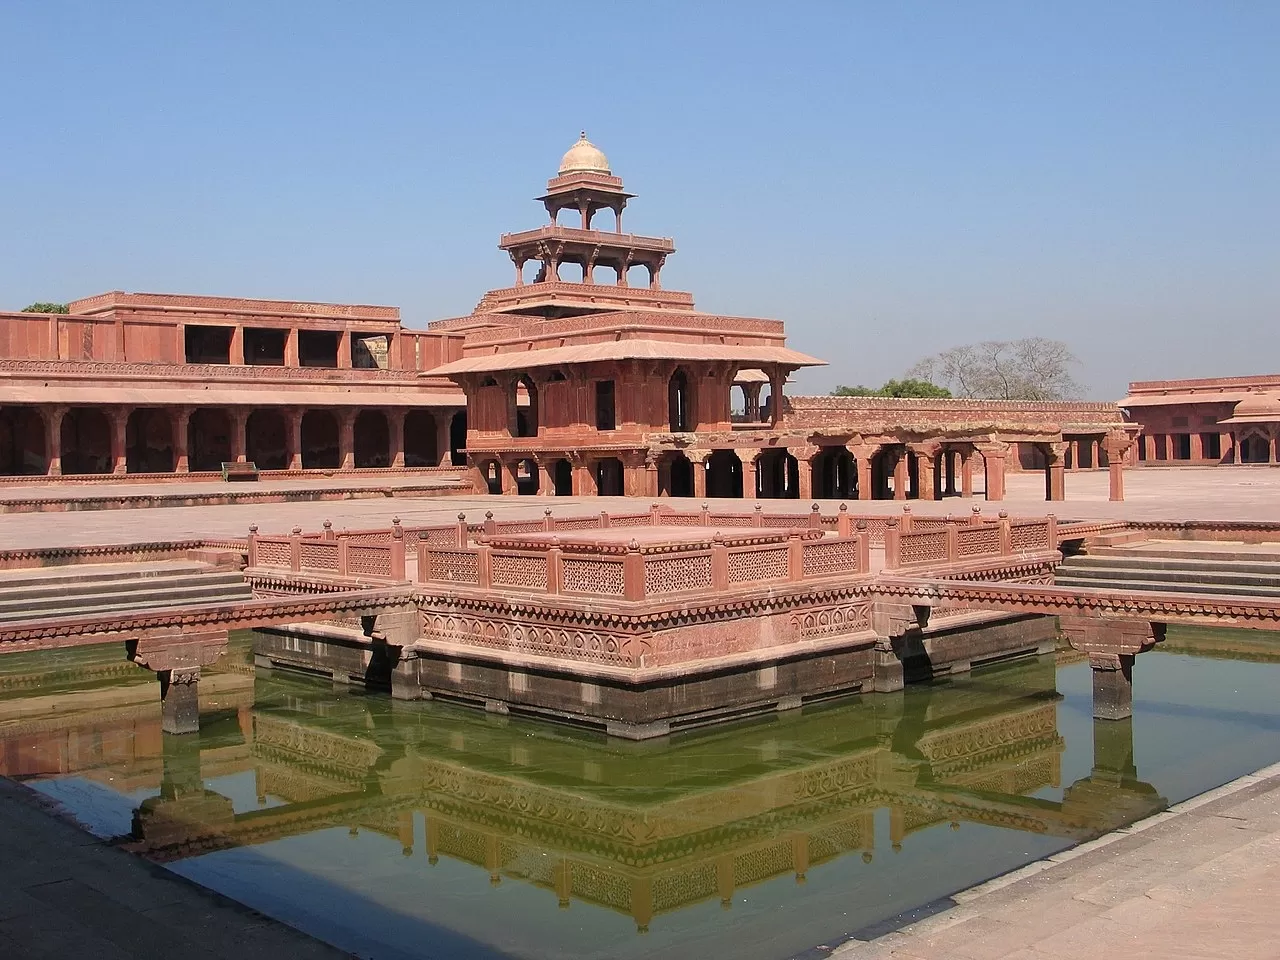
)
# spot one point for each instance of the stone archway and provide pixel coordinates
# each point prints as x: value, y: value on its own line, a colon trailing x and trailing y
x: 528, y: 480
x: 372, y: 439
x: 835, y: 474
x: 209, y: 439
x: 779, y: 474
x: 1255, y: 448
x: 266, y: 439
x: 148, y: 441
x: 562, y: 478
x: 22, y: 448
x: 320, y: 449
x: 490, y: 472
x: 609, y: 477
x: 724, y: 474
x: 86, y: 441
x: 680, y: 403
x: 420, y: 439
x: 677, y: 472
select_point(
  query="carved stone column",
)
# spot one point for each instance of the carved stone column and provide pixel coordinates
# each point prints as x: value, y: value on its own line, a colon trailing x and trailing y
x: 395, y: 429
x: 1117, y: 446
x: 926, y: 469
x: 900, y: 475
x: 1111, y: 646
x: 52, y: 417
x: 444, y: 424
x: 862, y: 454
x: 1056, y: 487
x: 510, y: 478
x: 238, y: 417
x: 966, y: 473
x: 346, y: 439
x: 118, y: 417
x: 805, y: 456
x: 181, y: 425
x: 748, y: 456
x: 293, y: 423
x: 699, y: 460
x: 994, y: 455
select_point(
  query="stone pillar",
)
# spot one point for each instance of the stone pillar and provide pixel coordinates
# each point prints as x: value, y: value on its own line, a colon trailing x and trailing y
x: 1197, y: 448
x: 1056, y: 485
x: 444, y: 423
x: 1117, y: 446
x: 510, y: 477
x: 291, y: 347
x: 344, y: 350
x: 293, y: 423
x: 651, y: 475
x: 181, y: 424
x: 966, y: 473
x: 237, y: 346
x: 862, y: 456
x: 1226, y: 450
x: 347, y: 435
x: 699, y: 460
x: 994, y: 456
x: 1148, y: 447
x: 926, y: 470
x: 805, y: 457
x: 395, y: 429
x: 118, y: 420
x: 1074, y: 449
x: 238, y: 419
x: 1094, y: 459
x: 749, y: 456
x: 52, y: 417
x: 776, y: 381
x: 180, y: 700
x: 546, y: 483
x: 584, y: 476
x: 900, y: 475
x: 1112, y: 685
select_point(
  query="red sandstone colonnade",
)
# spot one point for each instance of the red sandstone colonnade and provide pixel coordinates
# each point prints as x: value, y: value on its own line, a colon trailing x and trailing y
x: 113, y: 440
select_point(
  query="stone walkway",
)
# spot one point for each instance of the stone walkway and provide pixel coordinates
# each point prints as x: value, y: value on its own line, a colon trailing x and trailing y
x: 1195, y: 882
x: 65, y: 894
x: 1175, y: 493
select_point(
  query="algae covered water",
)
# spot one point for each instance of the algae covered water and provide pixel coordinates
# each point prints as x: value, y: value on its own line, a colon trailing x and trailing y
x: 420, y: 829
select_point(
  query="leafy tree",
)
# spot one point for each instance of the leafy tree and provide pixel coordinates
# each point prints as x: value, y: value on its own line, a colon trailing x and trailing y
x: 913, y: 387
x: 906, y: 387
x: 1034, y: 368
x: 46, y: 308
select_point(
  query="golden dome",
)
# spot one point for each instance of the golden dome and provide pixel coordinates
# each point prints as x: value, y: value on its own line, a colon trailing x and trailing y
x: 584, y: 157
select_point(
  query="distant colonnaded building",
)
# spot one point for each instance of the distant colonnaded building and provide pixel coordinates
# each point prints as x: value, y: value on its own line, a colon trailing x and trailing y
x: 600, y: 382
x: 1208, y: 421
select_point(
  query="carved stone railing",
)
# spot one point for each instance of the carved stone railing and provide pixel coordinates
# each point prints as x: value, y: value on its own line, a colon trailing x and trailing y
x: 917, y: 542
x: 366, y: 557
x: 603, y: 237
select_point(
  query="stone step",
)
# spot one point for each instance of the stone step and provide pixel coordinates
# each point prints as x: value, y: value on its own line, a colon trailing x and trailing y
x: 1168, y: 576
x: 67, y: 591
x: 125, y: 602
x: 1234, y: 553
x: 1134, y: 562
x: 1159, y: 586
x: 94, y: 572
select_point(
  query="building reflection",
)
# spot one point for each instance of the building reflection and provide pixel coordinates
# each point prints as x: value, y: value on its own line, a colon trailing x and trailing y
x: 640, y: 828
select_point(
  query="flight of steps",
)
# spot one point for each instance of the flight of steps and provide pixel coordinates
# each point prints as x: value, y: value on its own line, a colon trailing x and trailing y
x: 1219, y: 569
x: 103, y: 589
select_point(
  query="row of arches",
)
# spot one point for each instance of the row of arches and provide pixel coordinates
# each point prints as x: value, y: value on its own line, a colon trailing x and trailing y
x: 158, y: 440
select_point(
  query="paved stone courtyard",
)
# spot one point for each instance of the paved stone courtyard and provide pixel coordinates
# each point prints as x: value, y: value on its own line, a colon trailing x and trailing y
x: 1175, y: 493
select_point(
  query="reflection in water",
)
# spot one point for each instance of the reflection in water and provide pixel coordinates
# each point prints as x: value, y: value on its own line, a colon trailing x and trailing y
x: 293, y: 772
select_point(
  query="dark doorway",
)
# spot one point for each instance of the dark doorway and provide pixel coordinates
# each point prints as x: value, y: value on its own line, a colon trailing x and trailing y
x: 209, y: 439
x: 320, y: 441
x: 562, y: 478
x: 148, y: 442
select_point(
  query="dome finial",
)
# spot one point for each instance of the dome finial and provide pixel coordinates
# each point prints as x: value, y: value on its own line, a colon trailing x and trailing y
x: 584, y: 157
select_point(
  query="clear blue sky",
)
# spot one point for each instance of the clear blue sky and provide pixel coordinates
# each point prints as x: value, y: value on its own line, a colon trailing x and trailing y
x: 888, y: 178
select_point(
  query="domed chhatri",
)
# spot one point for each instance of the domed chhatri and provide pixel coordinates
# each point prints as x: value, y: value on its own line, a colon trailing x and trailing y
x: 584, y: 157
x: 1257, y: 406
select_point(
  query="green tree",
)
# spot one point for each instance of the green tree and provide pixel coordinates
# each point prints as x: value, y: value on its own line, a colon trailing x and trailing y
x: 906, y: 387
x: 46, y: 308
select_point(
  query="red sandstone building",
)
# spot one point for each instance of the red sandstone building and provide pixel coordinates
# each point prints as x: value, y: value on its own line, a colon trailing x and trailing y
x: 585, y: 376
x: 1210, y: 421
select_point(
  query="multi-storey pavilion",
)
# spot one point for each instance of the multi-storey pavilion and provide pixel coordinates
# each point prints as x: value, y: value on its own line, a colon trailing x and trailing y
x: 627, y: 388
x: 1208, y: 421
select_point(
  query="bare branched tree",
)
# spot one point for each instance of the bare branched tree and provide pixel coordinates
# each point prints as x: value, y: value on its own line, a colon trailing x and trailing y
x: 1034, y: 368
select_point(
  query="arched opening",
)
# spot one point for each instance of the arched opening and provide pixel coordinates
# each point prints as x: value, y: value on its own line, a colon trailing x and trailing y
x: 533, y: 271
x: 491, y: 474
x: 835, y: 475
x: 148, y: 442
x: 86, y: 441
x: 738, y: 403
x: 208, y: 439
x: 638, y: 276
x: 778, y: 474
x: 604, y: 273
x: 764, y: 413
x: 609, y: 477
x: 458, y: 439
x: 420, y: 439
x: 266, y: 439
x: 562, y: 478
x: 372, y: 439
x: 678, y: 470
x: 22, y: 452
x: 320, y: 441
x: 883, y: 465
x: 1254, y: 449
x: 679, y: 403
x: 527, y: 479
x: 724, y: 474
x: 527, y: 415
